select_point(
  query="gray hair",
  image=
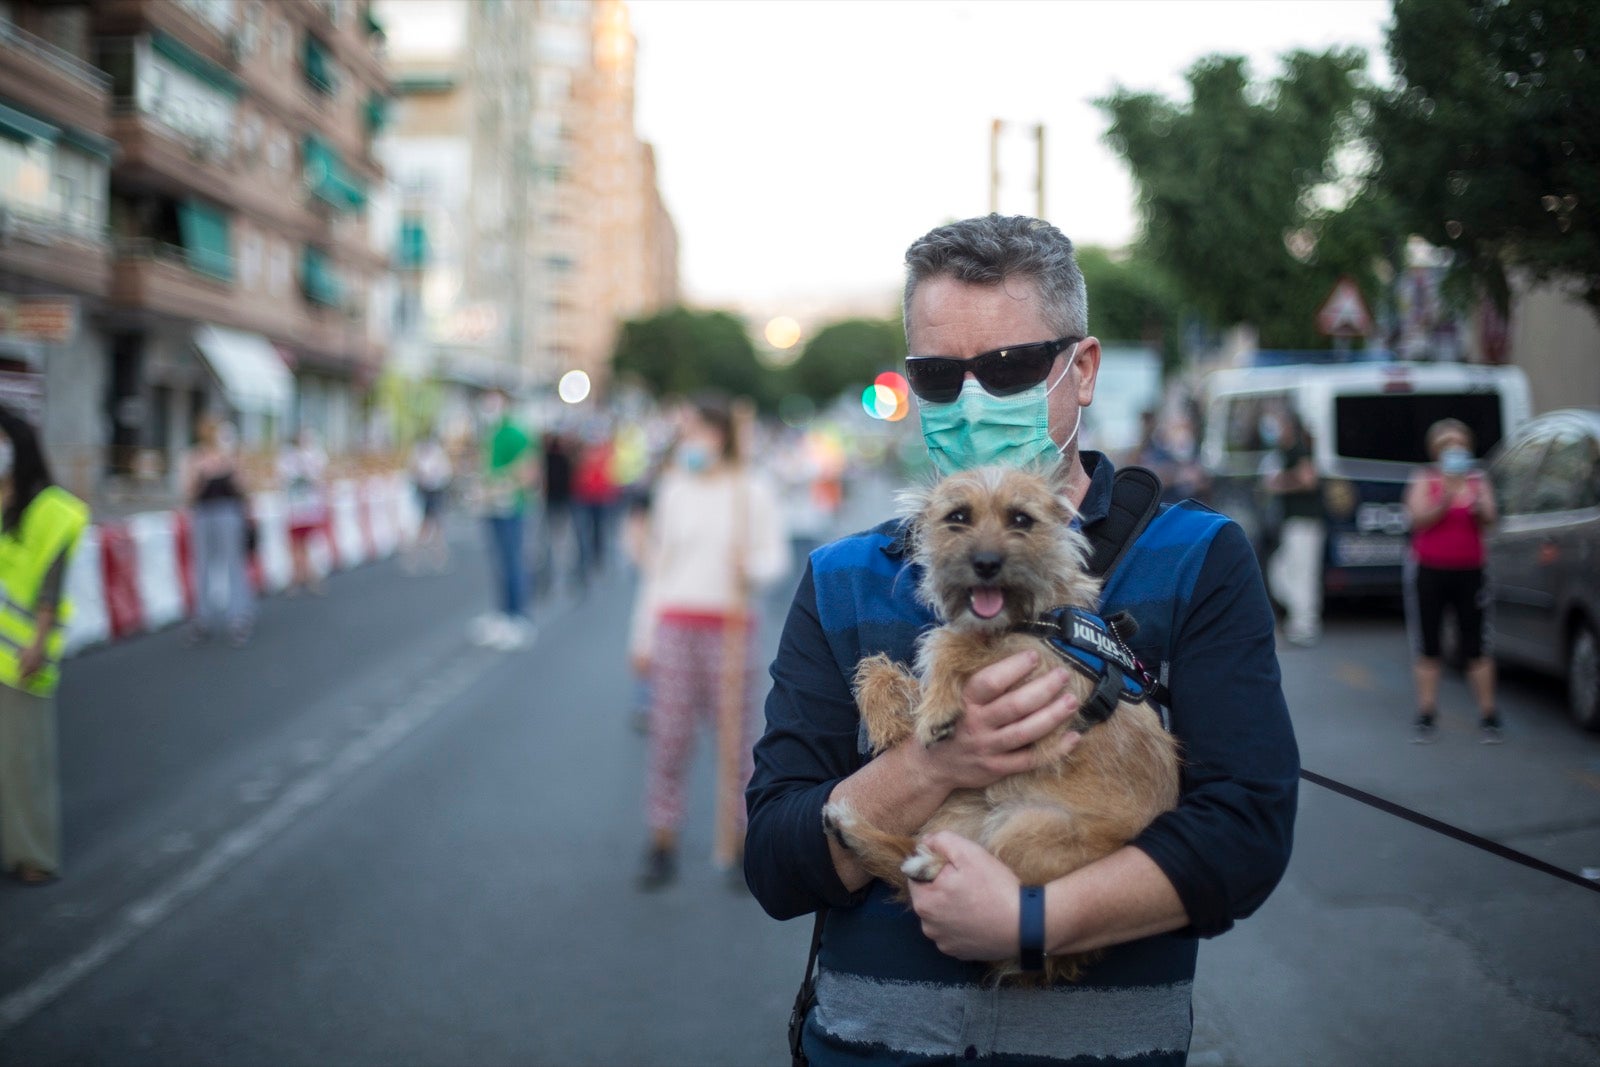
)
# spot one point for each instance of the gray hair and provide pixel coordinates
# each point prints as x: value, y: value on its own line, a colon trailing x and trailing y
x: 995, y: 248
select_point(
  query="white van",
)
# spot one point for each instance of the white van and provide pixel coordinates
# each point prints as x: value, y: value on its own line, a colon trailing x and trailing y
x: 1366, y: 422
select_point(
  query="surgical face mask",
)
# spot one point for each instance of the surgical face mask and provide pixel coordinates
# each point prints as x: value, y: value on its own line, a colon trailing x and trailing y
x: 1455, y: 461
x: 978, y: 429
x: 694, y: 457
x: 1269, y: 432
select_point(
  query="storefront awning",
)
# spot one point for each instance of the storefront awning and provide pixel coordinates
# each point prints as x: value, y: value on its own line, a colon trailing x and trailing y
x: 249, y: 369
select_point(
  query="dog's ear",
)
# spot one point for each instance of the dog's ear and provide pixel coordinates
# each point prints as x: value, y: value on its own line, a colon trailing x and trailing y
x: 909, y: 504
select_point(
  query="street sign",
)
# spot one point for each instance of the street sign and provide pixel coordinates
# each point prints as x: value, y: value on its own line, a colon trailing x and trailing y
x: 51, y: 319
x: 1344, y: 313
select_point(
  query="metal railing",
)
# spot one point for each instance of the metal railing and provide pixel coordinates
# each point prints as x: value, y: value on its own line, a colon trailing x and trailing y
x: 160, y: 251
x: 63, y: 60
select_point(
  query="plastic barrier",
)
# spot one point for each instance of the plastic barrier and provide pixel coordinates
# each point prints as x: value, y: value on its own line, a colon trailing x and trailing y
x: 134, y: 575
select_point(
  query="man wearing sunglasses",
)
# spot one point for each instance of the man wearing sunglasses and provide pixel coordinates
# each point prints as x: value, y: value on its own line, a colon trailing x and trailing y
x: 1002, y: 364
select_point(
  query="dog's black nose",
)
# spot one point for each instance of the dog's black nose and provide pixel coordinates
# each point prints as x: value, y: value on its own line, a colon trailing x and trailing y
x: 986, y: 564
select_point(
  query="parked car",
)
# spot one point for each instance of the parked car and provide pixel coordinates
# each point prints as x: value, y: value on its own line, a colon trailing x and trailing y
x: 1544, y: 556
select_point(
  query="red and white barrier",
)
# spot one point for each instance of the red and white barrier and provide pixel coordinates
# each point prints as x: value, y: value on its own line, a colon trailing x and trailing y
x: 137, y: 575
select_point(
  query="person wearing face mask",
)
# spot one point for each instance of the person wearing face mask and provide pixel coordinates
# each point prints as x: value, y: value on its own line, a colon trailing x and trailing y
x: 1002, y: 364
x: 1450, y: 505
x: 715, y: 538
x: 39, y: 526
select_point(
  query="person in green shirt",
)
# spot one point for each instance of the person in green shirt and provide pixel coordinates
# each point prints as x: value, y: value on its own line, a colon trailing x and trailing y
x: 510, y: 475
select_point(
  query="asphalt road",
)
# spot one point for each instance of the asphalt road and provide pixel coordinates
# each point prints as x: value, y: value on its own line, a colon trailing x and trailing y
x: 365, y: 840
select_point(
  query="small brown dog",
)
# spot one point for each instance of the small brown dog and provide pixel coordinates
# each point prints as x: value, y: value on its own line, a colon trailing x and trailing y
x: 997, y: 550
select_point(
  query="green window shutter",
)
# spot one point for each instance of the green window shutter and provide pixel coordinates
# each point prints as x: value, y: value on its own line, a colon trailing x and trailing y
x: 206, y: 239
x: 328, y: 178
x: 377, y: 113
x: 182, y: 56
x: 370, y: 19
x: 413, y: 251
x: 318, y: 279
x: 20, y: 126
x: 319, y: 68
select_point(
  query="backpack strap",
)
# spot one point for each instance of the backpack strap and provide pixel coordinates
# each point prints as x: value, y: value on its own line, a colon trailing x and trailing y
x: 1135, y: 499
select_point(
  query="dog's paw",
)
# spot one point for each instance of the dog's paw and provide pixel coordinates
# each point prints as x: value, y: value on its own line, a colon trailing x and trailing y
x: 923, y: 865
x: 935, y: 728
x: 837, y: 820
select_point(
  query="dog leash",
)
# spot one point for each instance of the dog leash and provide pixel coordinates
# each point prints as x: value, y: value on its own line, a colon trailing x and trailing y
x: 1466, y: 837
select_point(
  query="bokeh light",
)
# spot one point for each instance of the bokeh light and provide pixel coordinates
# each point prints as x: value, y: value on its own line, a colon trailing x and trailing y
x: 783, y: 332
x: 887, y: 398
x: 574, y: 387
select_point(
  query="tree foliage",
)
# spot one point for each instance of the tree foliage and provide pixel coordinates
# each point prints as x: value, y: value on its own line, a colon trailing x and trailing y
x: 680, y: 350
x: 847, y: 355
x: 1244, y: 172
x: 1491, y: 136
x: 1132, y: 299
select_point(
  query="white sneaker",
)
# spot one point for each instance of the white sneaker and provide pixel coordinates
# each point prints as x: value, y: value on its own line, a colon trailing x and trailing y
x: 513, y: 633
x: 486, y: 630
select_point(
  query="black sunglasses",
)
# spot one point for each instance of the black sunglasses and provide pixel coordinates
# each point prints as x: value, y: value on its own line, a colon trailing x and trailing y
x: 1003, y: 372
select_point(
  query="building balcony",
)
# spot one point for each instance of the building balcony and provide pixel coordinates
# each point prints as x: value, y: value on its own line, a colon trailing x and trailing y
x: 149, y: 275
x: 55, y: 84
x: 129, y: 18
x: 50, y: 252
x: 162, y: 159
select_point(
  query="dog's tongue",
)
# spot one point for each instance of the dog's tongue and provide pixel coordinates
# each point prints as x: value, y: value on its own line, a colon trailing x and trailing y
x: 987, y: 601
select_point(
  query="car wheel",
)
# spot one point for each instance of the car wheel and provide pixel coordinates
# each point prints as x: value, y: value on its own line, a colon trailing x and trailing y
x: 1583, y: 676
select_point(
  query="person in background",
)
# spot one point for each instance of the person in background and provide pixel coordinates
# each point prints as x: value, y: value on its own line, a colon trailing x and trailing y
x: 1295, y: 569
x: 715, y: 538
x: 302, y: 473
x: 511, y: 467
x: 557, y: 526
x: 1450, y: 505
x: 431, y: 473
x: 39, y: 527
x: 214, y: 489
x: 594, y: 499
x: 636, y: 546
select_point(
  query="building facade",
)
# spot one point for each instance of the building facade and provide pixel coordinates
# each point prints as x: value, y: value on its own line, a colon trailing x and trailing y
x: 531, y: 221
x: 217, y: 166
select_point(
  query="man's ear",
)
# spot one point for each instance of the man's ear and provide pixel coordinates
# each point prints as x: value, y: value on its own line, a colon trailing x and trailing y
x: 1088, y: 364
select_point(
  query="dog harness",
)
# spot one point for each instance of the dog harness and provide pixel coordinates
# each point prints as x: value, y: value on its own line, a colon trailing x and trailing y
x: 1098, y: 650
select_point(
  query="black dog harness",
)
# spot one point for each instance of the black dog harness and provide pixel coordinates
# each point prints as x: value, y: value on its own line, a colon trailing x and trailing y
x: 1098, y: 650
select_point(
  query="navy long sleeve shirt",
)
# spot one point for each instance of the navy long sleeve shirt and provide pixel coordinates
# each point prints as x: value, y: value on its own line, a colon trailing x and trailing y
x: 1192, y: 583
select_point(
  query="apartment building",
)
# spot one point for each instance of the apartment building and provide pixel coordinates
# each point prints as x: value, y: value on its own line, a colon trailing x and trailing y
x: 213, y: 170
x: 531, y: 220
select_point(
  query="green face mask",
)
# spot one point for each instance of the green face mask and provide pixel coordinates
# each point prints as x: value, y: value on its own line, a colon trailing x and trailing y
x: 977, y: 429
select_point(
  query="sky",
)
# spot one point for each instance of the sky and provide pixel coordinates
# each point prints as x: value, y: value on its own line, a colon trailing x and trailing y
x: 801, y: 146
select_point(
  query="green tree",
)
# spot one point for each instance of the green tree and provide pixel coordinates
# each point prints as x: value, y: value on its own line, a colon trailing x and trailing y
x: 847, y: 355
x: 681, y: 350
x: 1491, y: 137
x: 1238, y: 188
x: 1132, y: 299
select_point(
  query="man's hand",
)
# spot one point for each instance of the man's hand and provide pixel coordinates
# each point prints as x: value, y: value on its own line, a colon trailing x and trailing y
x: 970, y: 911
x: 1000, y: 720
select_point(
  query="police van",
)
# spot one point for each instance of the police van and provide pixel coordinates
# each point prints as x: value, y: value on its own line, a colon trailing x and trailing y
x: 1366, y: 421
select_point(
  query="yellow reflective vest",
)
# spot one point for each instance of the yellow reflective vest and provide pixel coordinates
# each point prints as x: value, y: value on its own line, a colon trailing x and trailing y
x: 49, y: 528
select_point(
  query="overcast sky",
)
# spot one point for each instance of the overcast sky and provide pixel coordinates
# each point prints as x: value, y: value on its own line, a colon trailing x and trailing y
x: 803, y: 145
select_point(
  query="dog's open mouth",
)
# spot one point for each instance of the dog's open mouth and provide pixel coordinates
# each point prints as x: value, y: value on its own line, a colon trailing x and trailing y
x: 986, y: 601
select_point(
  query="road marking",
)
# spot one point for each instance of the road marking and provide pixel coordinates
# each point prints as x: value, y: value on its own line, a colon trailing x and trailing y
x: 244, y: 841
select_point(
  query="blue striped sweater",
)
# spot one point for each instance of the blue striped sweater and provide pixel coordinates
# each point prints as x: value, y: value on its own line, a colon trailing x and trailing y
x: 885, y: 994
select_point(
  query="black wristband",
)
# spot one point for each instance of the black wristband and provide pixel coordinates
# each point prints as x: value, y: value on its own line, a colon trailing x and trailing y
x: 1031, y: 927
